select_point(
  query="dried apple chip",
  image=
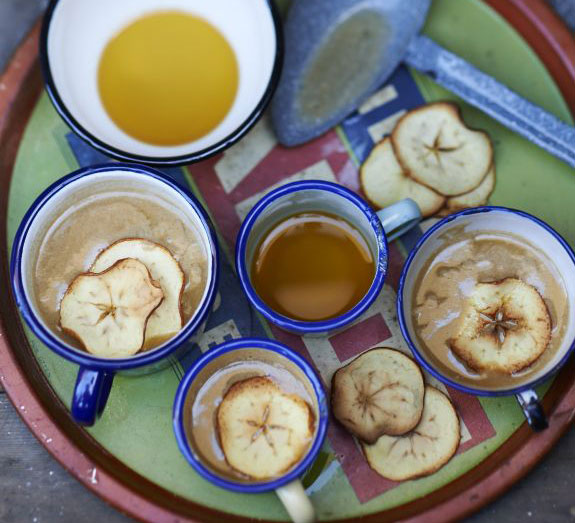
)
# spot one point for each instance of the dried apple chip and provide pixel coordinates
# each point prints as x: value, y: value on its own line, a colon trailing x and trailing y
x: 166, y: 320
x: 108, y: 312
x: 422, y: 451
x: 504, y: 327
x: 437, y: 149
x: 379, y: 392
x: 262, y: 430
x: 384, y: 182
x: 474, y: 198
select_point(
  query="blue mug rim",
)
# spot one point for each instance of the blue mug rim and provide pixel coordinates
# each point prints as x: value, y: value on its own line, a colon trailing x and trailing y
x: 182, y: 394
x: 311, y: 326
x: 86, y: 359
x: 403, y: 324
x: 180, y: 160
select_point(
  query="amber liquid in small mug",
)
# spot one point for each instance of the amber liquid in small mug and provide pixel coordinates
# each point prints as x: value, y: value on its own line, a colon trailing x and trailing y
x: 312, y: 266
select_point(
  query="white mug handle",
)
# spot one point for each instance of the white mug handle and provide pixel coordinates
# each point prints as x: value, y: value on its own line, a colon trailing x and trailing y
x: 296, y: 502
x: 398, y: 218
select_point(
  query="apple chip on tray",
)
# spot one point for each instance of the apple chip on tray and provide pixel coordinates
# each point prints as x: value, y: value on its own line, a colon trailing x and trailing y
x: 423, y: 450
x: 384, y: 182
x: 108, y: 312
x: 436, y: 149
x: 379, y: 392
x: 474, y: 198
x: 504, y: 327
x: 167, y: 319
x: 406, y: 429
x: 432, y: 158
x: 263, y: 431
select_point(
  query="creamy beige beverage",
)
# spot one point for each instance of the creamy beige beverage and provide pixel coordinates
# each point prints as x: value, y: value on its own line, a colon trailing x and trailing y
x: 445, y: 283
x: 215, y: 380
x: 72, y: 242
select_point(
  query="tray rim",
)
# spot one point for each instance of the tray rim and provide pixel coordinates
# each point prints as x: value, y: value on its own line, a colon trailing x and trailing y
x: 45, y: 415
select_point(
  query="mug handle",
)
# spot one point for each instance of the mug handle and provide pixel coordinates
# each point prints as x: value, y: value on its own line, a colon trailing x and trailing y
x: 399, y: 218
x: 296, y: 502
x: 529, y: 402
x: 90, y: 394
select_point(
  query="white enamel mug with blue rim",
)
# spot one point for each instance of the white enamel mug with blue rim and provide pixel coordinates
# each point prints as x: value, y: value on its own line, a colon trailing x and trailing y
x: 288, y: 487
x: 95, y: 375
x: 494, y: 219
x: 76, y: 32
x: 319, y: 196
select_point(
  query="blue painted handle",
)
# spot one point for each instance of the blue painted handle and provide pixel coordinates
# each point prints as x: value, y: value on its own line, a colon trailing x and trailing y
x: 90, y: 394
x: 529, y: 402
x: 493, y: 98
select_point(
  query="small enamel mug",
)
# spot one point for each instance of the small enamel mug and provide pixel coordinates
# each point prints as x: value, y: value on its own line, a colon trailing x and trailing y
x: 96, y: 374
x: 319, y: 196
x: 288, y: 487
x: 76, y: 32
x: 493, y: 219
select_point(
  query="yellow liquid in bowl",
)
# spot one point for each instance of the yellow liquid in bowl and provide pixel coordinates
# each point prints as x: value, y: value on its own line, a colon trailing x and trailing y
x: 168, y: 78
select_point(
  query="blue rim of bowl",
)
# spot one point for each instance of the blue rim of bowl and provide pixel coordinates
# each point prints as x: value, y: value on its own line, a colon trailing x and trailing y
x: 311, y: 326
x: 83, y: 358
x: 413, y: 346
x: 216, y: 352
x: 180, y: 160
